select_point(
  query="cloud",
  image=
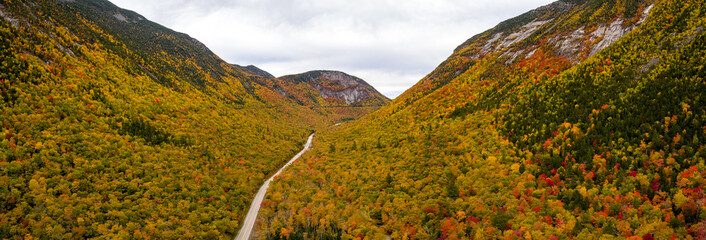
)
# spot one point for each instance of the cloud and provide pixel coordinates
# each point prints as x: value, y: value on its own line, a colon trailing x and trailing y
x: 390, y: 44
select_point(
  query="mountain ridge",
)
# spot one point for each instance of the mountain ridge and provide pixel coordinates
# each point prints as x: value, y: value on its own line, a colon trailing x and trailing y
x: 116, y: 127
x: 522, y: 32
x: 254, y: 70
x: 582, y: 119
x: 339, y: 85
x: 571, y: 143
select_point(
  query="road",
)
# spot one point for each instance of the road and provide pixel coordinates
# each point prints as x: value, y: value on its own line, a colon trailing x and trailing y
x: 249, y: 222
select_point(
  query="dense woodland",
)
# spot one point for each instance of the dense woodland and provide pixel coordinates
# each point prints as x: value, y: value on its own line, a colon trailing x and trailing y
x: 537, y: 146
x: 124, y: 129
x: 116, y: 127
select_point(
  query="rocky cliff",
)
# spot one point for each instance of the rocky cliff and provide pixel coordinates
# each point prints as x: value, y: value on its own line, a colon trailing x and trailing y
x: 338, y: 88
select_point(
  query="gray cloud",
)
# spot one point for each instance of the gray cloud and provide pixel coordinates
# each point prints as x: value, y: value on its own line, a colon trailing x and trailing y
x: 390, y: 44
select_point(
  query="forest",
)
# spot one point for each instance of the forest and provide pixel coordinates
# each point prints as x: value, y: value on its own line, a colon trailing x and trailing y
x: 526, y: 140
x: 118, y: 130
x: 583, y: 119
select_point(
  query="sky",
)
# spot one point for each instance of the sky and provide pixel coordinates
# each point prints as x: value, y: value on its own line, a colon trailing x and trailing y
x: 391, y: 44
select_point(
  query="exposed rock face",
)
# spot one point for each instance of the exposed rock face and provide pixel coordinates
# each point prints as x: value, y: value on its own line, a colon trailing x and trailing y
x: 353, y: 89
x: 500, y: 41
x: 342, y: 79
x: 120, y: 17
x: 8, y: 17
x: 199, y: 44
x: 574, y: 45
x: 525, y: 31
x: 127, y: 17
x: 570, y: 45
x: 514, y: 31
x: 609, y: 35
x: 488, y: 47
x: 333, y: 85
x: 649, y: 64
x: 350, y: 95
x: 568, y: 31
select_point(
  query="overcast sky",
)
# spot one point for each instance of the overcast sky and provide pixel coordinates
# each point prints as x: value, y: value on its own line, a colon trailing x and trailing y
x: 391, y: 44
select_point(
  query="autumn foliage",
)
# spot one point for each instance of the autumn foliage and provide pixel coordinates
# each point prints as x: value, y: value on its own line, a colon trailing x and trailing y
x: 114, y: 129
x: 536, y: 146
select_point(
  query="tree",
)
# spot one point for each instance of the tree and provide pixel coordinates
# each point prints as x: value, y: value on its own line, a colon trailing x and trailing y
x: 451, y: 188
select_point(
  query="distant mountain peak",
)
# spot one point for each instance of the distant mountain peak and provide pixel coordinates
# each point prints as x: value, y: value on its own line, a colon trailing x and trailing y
x: 344, y: 79
x: 254, y: 70
x: 336, y: 86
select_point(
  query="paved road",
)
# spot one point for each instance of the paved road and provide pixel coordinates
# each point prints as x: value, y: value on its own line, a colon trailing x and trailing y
x: 246, y: 229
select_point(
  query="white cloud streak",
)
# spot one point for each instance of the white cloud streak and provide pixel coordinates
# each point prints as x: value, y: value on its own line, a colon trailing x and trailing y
x: 391, y: 44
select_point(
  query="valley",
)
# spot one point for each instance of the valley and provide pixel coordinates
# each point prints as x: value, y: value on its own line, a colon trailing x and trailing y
x: 577, y: 120
x: 581, y: 119
x: 249, y: 222
x: 114, y: 126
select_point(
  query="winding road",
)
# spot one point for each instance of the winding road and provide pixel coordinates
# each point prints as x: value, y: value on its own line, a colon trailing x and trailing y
x: 250, y: 218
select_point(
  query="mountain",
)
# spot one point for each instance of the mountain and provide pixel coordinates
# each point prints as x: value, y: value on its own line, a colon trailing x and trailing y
x: 115, y: 127
x: 253, y: 70
x: 334, y: 88
x: 580, y: 119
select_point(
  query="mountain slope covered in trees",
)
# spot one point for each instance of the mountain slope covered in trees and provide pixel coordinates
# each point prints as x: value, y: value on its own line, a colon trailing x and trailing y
x: 581, y: 119
x: 116, y: 127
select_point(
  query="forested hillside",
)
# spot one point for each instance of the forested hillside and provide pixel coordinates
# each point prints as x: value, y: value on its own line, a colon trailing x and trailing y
x: 116, y: 127
x: 581, y: 119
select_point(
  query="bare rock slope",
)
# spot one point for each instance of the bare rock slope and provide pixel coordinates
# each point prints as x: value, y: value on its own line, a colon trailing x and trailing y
x: 338, y: 88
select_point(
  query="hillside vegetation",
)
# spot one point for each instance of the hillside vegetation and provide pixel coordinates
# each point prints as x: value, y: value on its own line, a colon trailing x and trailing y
x: 115, y: 127
x: 581, y: 119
